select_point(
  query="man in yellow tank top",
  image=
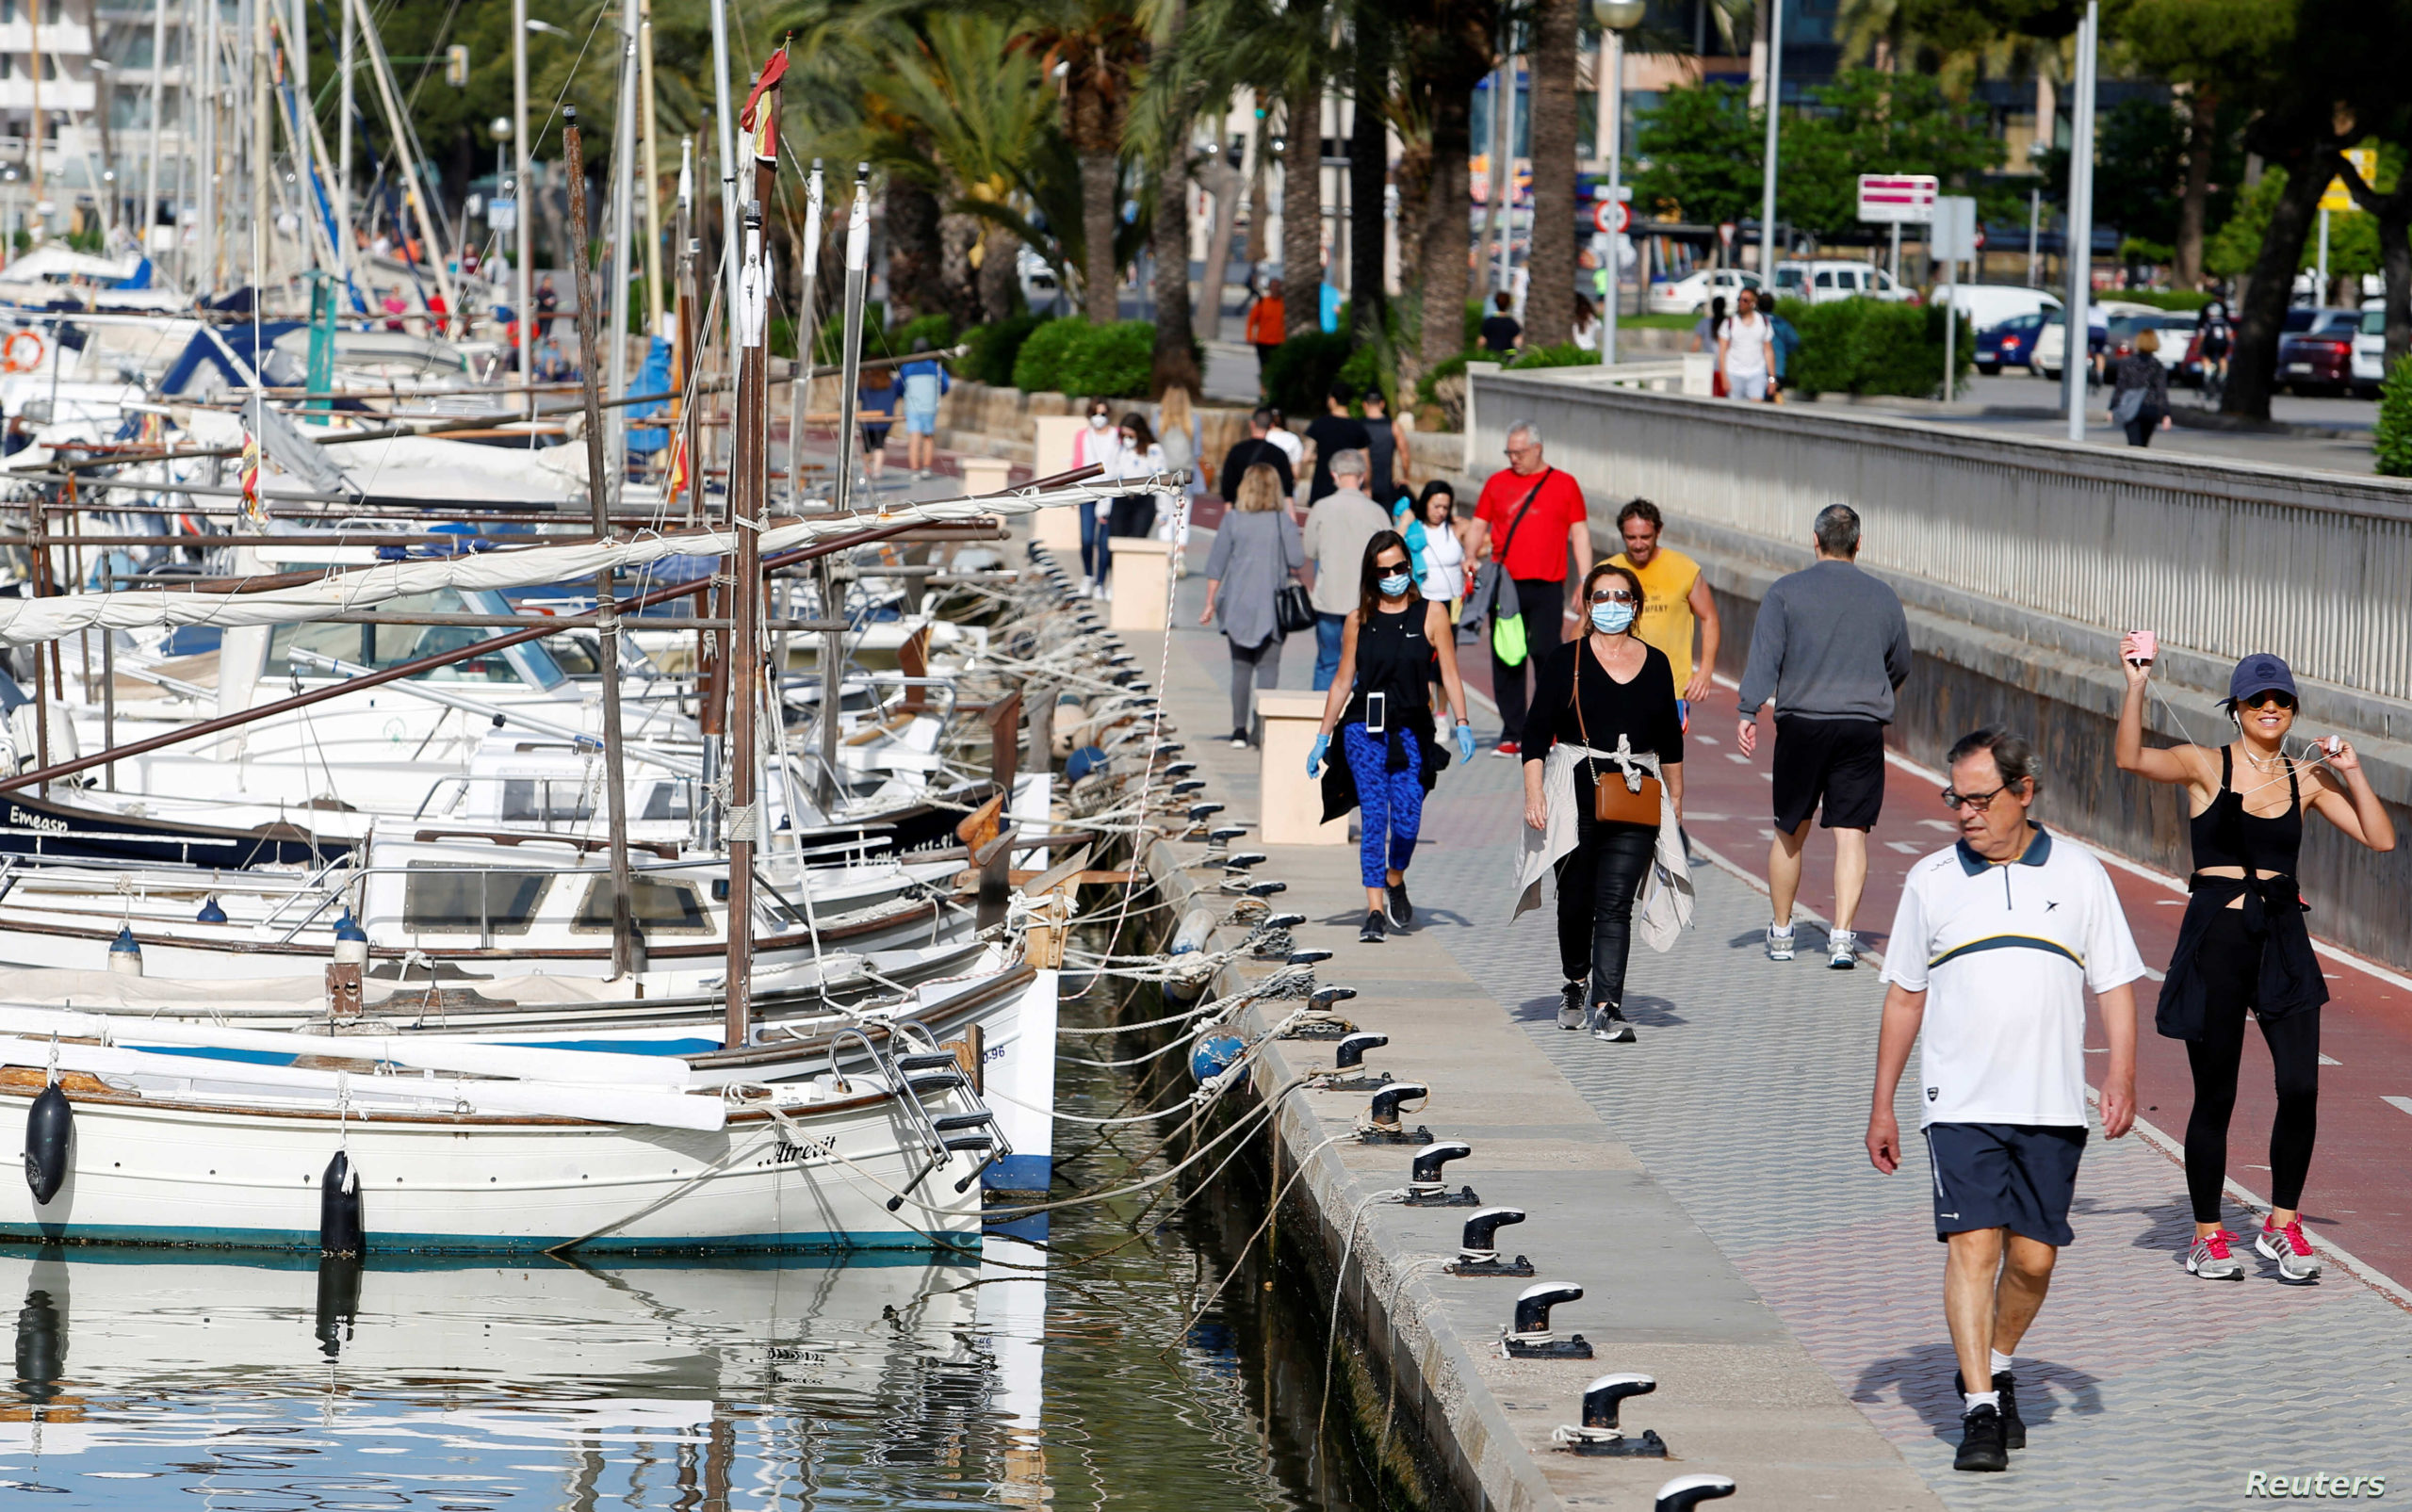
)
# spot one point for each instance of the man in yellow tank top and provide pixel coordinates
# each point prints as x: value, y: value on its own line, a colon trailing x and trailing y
x: 1676, y: 599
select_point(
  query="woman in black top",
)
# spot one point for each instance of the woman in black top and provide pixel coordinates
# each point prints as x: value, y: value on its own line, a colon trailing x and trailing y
x: 2141, y: 375
x: 1386, y: 726
x: 1627, y: 692
x: 2242, y: 943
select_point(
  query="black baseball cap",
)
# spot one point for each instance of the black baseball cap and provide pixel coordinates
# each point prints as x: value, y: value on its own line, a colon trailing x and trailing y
x: 2260, y: 673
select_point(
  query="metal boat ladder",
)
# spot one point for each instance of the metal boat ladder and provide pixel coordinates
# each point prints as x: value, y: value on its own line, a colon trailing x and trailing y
x: 926, y: 1077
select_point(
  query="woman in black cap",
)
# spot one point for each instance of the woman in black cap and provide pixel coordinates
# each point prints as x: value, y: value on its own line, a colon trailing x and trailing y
x: 2244, y: 944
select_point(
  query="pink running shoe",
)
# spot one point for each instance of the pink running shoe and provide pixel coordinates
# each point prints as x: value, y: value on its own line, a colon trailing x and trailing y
x: 2297, y: 1264
x: 2210, y: 1258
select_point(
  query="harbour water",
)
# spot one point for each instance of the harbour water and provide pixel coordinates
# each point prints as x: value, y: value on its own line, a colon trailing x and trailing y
x: 1084, y: 1370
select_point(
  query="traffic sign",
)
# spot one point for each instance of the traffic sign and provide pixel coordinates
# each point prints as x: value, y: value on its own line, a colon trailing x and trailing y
x: 2338, y: 197
x: 1953, y: 234
x: 1898, y: 199
x: 1611, y: 216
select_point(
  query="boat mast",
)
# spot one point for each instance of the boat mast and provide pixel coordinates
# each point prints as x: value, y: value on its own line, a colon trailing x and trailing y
x: 523, y: 193
x: 849, y: 370
x: 652, y: 174
x: 158, y: 78
x: 347, y: 58
x: 599, y: 495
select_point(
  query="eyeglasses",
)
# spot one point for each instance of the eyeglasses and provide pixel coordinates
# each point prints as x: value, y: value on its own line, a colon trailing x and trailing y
x: 1980, y: 801
x: 1612, y: 595
x: 1390, y: 566
x: 2271, y: 695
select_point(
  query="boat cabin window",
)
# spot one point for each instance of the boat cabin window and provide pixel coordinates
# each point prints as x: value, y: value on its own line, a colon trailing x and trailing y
x: 444, y: 898
x: 575, y: 655
x: 377, y: 646
x: 659, y: 907
x: 546, y: 800
x: 670, y: 799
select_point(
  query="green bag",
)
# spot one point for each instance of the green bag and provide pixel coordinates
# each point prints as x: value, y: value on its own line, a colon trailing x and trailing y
x: 1507, y: 640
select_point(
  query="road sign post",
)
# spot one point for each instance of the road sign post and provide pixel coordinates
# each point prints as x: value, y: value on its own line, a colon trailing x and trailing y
x: 1954, y: 239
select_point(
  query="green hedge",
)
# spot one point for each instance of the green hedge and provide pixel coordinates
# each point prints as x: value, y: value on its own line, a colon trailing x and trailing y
x: 995, y: 348
x: 1874, y: 346
x: 1427, y: 387
x: 2391, y: 439
x: 1096, y: 361
x: 1303, y: 368
x: 2184, y: 301
x: 937, y: 328
x: 1565, y: 354
x: 1043, y: 354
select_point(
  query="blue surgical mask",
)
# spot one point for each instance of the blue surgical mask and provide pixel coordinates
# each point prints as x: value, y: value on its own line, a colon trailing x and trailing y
x: 1395, y: 584
x: 1611, y: 619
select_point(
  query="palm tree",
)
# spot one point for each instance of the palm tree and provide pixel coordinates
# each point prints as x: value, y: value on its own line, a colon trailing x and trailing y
x: 1094, y: 50
x: 1549, y: 298
x: 1448, y: 46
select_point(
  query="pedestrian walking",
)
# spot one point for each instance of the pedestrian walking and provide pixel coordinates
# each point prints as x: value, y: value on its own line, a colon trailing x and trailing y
x: 1257, y: 551
x: 1787, y: 341
x: 1176, y: 432
x: 1137, y: 456
x: 1994, y: 946
x: 1435, y: 544
x: 1330, y: 433
x: 1537, y: 516
x: 1096, y: 444
x: 1287, y: 439
x: 1258, y: 449
x: 1386, y: 451
x: 1676, y: 601
x: 925, y: 384
x: 1336, y: 530
x: 548, y: 301
x: 1746, y: 349
x: 875, y: 410
x: 1264, y: 328
x: 1604, y: 800
x: 1501, y: 334
x: 2140, y: 390
x: 2243, y: 944
x: 1587, y: 326
x: 1831, y: 647
x: 1390, y: 745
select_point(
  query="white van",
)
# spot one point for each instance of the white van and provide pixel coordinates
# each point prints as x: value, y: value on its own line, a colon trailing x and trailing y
x: 1987, y: 306
x: 1821, y: 281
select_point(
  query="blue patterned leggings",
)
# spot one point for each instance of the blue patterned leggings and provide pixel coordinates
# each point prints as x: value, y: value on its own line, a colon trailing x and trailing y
x: 1389, y: 804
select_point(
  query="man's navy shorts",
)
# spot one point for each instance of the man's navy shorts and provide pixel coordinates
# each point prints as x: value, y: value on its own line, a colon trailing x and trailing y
x: 2018, y: 1177
x: 1835, y: 763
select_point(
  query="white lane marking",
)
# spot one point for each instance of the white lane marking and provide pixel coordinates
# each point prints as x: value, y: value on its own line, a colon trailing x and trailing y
x: 2330, y: 1060
x: 1696, y: 817
x: 1766, y: 777
x: 1738, y: 758
x: 1904, y: 846
x: 2400, y: 1104
x: 1940, y: 824
x: 1707, y: 740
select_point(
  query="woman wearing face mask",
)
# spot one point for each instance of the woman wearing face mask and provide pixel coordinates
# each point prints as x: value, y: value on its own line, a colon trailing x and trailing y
x: 2243, y: 944
x: 1610, y: 695
x: 1139, y: 457
x: 1390, y: 751
x: 1096, y: 445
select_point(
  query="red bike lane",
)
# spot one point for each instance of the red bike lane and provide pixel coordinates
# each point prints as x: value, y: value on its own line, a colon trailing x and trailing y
x: 2361, y: 1193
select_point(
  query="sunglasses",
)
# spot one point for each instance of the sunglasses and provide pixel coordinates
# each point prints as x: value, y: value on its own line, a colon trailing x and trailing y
x: 1611, y: 595
x: 1980, y: 801
x: 2268, y: 696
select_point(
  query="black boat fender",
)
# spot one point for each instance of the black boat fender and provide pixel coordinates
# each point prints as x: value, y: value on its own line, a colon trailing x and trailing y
x: 50, y: 1137
x: 340, y: 1231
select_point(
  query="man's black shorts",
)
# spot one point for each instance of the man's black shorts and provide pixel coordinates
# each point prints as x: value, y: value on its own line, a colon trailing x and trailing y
x: 1838, y: 761
x: 2018, y: 1177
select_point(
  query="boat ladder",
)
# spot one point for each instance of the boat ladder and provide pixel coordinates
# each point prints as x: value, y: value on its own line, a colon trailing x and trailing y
x: 941, y: 1104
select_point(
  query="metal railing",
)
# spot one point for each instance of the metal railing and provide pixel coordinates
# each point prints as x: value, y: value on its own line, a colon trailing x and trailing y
x: 2221, y: 558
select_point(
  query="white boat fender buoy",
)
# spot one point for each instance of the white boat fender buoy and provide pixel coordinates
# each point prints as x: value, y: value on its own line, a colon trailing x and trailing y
x: 50, y: 1137
x: 341, y: 1230
x: 125, y: 952
x: 352, y: 941
x: 1186, y: 986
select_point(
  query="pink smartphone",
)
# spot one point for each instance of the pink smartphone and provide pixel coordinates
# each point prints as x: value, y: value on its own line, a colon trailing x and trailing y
x: 2141, y: 648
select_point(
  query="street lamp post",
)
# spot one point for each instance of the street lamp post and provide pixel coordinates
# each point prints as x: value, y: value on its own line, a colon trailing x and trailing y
x: 1775, y: 98
x: 1616, y: 17
x: 2076, y: 360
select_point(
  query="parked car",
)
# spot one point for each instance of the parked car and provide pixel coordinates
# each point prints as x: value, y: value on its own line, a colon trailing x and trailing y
x: 2316, y: 350
x: 2053, y: 339
x: 2174, y: 330
x: 2370, y: 352
x: 1038, y: 286
x: 1690, y: 295
x: 1987, y: 306
x: 2011, y: 344
x: 1821, y: 281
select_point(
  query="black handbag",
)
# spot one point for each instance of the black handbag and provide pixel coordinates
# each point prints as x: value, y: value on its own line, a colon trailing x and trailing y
x: 1293, y: 610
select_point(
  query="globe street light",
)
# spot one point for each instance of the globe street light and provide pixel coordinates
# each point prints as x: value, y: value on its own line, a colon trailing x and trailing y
x: 1615, y: 18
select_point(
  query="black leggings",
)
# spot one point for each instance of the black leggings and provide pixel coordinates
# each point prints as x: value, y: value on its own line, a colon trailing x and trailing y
x: 1597, y: 883
x: 2230, y: 963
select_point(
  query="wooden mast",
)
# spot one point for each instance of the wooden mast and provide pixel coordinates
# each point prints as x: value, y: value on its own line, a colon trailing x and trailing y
x: 615, y: 787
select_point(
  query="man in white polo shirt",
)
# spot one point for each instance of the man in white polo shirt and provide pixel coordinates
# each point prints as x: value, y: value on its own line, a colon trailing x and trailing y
x: 1996, y: 943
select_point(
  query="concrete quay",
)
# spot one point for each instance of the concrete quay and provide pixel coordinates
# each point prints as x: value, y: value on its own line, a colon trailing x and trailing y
x: 1708, y: 1189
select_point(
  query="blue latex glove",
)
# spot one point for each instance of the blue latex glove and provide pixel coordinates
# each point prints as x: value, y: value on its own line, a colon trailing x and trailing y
x: 1465, y: 742
x: 1314, y: 758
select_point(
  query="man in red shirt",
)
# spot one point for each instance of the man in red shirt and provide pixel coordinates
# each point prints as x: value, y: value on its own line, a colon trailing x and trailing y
x: 1536, y: 515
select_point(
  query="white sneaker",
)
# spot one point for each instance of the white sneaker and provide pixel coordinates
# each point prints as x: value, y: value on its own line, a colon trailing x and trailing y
x: 1779, y: 943
x: 2297, y: 1264
x: 1842, y: 949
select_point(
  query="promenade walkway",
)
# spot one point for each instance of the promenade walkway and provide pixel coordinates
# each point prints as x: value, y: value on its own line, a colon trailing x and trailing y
x: 1747, y: 1228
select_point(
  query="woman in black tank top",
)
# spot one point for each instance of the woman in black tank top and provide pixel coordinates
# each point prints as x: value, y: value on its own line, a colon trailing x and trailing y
x: 2244, y: 944
x: 1378, y: 708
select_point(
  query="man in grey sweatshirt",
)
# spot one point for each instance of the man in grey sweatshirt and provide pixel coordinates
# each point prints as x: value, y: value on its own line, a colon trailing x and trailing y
x: 1831, y: 646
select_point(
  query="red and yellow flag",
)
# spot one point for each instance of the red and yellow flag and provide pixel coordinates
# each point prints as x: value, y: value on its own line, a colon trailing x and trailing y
x: 763, y: 122
x: 249, y: 475
x: 675, y: 488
